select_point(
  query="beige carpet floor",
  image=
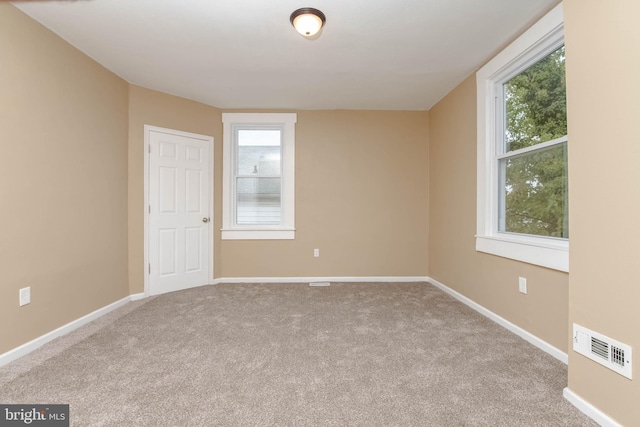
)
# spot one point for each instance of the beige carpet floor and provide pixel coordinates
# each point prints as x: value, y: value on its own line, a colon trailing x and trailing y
x: 365, y: 354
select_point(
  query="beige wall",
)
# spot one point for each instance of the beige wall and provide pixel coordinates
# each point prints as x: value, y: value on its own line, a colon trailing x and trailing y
x: 488, y: 280
x: 148, y: 107
x: 73, y: 192
x: 374, y: 191
x: 63, y: 181
x: 361, y: 198
x: 603, y: 88
x: 361, y: 192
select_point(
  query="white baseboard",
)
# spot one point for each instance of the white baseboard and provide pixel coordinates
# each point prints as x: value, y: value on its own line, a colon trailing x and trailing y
x: 136, y: 297
x: 589, y: 410
x: 528, y: 336
x: 320, y: 279
x: 27, y: 348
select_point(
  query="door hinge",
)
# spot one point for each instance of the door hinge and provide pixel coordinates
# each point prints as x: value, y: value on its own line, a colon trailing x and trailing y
x: 149, y: 149
x: 149, y: 268
x: 149, y: 208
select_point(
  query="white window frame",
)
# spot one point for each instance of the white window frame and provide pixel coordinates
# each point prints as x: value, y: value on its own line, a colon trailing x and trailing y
x: 541, y: 39
x: 286, y: 228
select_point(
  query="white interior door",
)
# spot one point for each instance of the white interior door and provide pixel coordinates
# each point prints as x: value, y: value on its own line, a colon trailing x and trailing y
x: 179, y: 216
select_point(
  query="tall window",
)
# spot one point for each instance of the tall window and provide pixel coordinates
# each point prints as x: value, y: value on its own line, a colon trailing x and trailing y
x: 522, y: 149
x: 258, y: 176
x: 533, y: 159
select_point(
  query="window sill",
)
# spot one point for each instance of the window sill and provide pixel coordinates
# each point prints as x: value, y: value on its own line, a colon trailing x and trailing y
x: 544, y: 252
x: 259, y: 234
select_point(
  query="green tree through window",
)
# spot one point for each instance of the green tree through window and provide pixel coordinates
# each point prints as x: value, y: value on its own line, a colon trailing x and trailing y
x: 534, y: 183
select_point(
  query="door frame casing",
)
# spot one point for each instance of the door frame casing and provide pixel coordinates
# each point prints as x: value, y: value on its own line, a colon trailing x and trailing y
x: 147, y: 143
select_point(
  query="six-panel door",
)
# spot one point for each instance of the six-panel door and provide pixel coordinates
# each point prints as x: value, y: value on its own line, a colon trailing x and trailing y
x: 179, y: 218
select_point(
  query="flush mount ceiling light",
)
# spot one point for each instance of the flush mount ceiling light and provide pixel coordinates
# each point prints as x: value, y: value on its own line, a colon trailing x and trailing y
x: 307, y: 21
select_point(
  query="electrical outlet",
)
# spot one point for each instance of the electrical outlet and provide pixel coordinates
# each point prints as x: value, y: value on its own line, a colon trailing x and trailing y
x: 25, y: 296
x: 316, y: 253
x: 522, y: 284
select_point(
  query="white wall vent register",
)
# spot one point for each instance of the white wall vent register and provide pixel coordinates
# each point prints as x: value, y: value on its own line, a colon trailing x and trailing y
x: 603, y: 350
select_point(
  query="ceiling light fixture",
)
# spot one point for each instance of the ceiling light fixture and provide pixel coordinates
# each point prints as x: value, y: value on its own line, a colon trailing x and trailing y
x: 307, y: 21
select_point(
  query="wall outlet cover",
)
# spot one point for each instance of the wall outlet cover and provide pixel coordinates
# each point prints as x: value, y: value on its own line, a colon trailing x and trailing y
x: 25, y: 296
x: 522, y: 285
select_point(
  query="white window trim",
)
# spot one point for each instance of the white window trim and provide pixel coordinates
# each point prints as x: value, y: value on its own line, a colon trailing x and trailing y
x: 286, y: 230
x: 542, y: 38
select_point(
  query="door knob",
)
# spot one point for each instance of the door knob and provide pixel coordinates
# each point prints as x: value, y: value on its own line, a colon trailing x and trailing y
x: 205, y: 219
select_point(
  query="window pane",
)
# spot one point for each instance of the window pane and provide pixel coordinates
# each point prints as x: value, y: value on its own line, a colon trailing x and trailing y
x: 258, y: 152
x: 534, y: 193
x: 536, y: 104
x: 258, y: 201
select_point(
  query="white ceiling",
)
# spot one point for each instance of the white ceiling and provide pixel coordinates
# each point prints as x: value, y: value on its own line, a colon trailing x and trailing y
x: 372, y: 54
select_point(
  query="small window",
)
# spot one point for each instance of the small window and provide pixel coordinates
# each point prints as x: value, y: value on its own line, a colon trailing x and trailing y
x: 522, y: 149
x: 258, y: 176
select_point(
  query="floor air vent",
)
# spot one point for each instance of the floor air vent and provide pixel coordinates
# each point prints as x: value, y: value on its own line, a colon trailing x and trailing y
x: 604, y: 350
x: 319, y: 284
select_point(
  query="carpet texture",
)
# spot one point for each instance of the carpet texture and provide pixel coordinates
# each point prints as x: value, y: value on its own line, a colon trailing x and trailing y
x: 366, y: 354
